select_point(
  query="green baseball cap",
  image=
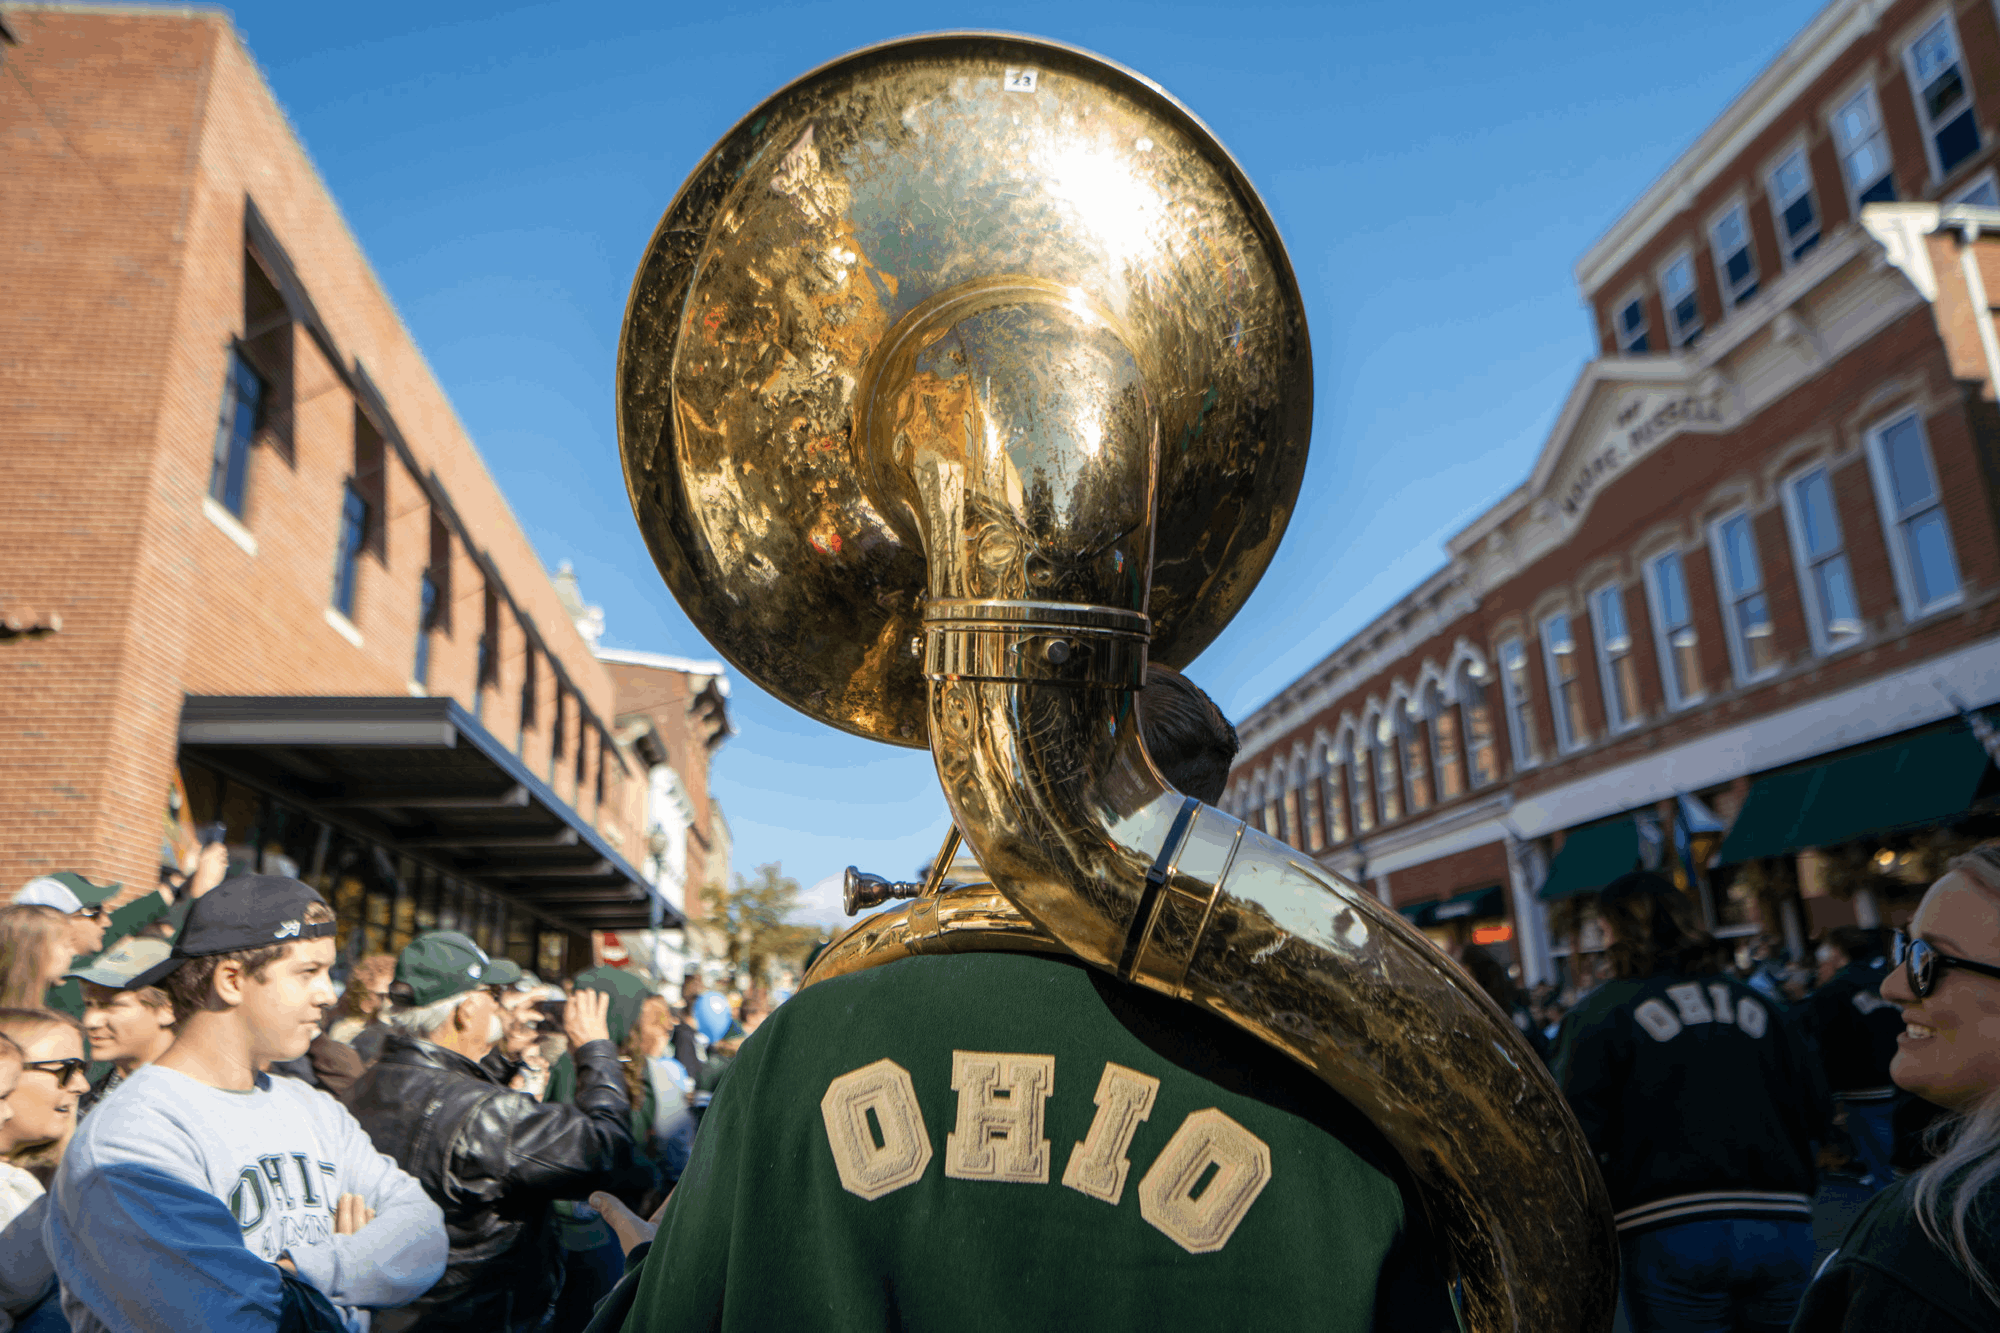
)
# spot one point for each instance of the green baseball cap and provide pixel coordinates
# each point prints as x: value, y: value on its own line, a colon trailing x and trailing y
x: 442, y: 963
x: 65, y: 891
x: 502, y: 972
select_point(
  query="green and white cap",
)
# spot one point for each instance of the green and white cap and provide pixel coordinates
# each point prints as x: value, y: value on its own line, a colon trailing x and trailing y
x: 66, y: 891
x: 442, y: 963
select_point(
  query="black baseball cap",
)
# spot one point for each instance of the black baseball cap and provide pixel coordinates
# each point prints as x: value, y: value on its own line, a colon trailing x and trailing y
x: 246, y: 912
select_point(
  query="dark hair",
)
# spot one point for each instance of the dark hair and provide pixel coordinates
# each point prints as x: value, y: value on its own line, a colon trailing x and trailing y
x: 191, y: 986
x: 1188, y: 738
x: 1859, y: 943
x: 1492, y: 977
x: 1653, y: 928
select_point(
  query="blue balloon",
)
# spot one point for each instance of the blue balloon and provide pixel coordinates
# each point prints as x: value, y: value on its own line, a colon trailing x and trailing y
x: 711, y: 1016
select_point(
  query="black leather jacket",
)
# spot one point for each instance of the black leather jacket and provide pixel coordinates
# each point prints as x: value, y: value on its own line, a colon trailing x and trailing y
x: 495, y: 1160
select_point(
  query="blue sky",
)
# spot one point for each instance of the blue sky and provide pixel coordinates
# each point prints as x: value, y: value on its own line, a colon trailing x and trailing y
x: 1435, y: 169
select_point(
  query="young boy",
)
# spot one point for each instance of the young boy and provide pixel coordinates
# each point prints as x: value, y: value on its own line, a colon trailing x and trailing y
x: 188, y: 1190
x: 128, y: 1028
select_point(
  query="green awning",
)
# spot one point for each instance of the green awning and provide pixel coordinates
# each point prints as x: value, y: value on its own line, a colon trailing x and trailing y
x: 1420, y: 915
x: 1891, y: 788
x: 1474, y: 904
x: 1764, y: 825
x: 1592, y: 857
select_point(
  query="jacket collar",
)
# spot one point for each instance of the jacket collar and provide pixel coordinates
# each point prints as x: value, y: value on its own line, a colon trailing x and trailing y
x: 400, y: 1048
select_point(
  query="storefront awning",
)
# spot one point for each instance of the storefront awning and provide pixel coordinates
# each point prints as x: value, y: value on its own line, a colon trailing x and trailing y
x: 1913, y: 783
x: 1475, y: 904
x: 1592, y: 857
x: 1472, y: 905
x: 421, y: 776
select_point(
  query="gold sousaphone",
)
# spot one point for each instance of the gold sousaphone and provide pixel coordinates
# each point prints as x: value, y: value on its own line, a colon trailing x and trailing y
x: 964, y: 374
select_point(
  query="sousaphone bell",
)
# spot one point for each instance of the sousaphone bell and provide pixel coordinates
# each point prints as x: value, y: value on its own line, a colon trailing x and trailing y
x: 963, y: 375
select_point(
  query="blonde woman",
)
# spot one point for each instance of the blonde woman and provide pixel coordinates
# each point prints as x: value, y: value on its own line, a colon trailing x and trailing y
x: 41, y: 1117
x: 1925, y: 1254
x: 35, y: 944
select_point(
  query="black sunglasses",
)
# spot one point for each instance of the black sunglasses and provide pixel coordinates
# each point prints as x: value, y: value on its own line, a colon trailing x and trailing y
x: 64, y: 1070
x: 1925, y: 963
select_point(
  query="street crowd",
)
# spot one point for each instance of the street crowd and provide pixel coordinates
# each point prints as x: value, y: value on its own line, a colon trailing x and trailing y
x: 199, y: 1130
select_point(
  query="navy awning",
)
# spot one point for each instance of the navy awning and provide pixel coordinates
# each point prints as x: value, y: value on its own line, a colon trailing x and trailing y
x: 422, y: 776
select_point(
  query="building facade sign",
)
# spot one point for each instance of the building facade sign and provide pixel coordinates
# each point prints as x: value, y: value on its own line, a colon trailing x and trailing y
x: 1645, y: 420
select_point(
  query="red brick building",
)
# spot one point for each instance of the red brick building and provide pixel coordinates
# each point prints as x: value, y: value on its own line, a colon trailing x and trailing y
x: 1755, y: 565
x: 256, y: 569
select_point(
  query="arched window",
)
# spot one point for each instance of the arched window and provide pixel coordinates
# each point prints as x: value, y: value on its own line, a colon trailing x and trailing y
x: 1270, y: 812
x: 1482, y: 748
x: 1388, y: 770
x: 1447, y: 743
x: 1295, y: 829
x: 1313, y: 797
x: 1361, y: 783
x: 1335, y: 772
x: 1416, y: 759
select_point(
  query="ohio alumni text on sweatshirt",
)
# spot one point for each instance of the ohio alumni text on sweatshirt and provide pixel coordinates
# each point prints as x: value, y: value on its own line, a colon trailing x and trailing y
x: 176, y: 1199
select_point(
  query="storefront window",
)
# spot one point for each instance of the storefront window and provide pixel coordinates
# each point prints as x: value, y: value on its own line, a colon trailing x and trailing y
x: 549, y: 953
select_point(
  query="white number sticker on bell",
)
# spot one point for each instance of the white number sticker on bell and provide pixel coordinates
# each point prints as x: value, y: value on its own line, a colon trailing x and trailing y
x: 1020, y: 80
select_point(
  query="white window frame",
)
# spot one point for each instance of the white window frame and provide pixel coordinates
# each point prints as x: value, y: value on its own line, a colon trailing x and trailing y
x: 1662, y: 643
x: 1571, y: 734
x: 1779, y: 203
x: 1678, y: 337
x: 1526, y: 754
x: 1985, y: 179
x: 1731, y: 299
x: 1865, y: 91
x: 1726, y: 597
x: 1892, y: 522
x: 1437, y: 701
x: 1608, y: 678
x: 1360, y: 787
x: 1618, y: 332
x: 1463, y: 684
x: 1805, y: 565
x: 1924, y: 122
x: 1406, y: 740
x: 1392, y: 744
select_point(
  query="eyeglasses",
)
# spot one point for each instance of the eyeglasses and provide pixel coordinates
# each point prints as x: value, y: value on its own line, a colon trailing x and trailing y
x: 64, y: 1070
x: 1925, y: 963
x: 93, y: 911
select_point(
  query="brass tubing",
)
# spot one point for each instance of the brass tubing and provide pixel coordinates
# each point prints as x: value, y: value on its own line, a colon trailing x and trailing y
x: 1065, y: 811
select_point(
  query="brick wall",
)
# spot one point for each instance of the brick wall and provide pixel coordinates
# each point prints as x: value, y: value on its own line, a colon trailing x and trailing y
x: 1876, y: 55
x: 1681, y: 488
x: 134, y: 141
x: 1474, y: 868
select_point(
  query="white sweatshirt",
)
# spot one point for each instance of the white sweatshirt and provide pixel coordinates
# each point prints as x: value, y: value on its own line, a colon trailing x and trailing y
x: 175, y: 1200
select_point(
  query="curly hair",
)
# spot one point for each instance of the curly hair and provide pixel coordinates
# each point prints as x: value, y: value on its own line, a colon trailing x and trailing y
x: 651, y: 1034
x: 372, y: 973
x: 1654, y: 929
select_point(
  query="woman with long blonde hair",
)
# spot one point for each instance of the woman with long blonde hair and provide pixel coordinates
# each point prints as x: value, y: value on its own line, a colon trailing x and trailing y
x: 46, y: 1054
x: 34, y: 953
x: 1925, y: 1254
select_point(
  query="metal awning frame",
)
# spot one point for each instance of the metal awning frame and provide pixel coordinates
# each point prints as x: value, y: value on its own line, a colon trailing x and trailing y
x: 223, y: 733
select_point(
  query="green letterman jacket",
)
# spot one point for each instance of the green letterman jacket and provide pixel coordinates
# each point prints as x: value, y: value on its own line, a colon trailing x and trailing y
x: 1005, y: 1141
